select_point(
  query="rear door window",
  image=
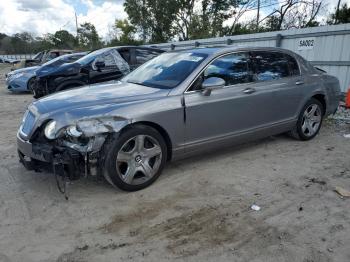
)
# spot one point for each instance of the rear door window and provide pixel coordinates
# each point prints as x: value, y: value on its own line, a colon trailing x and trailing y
x: 269, y: 66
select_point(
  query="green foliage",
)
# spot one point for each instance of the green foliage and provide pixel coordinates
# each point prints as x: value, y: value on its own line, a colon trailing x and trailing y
x: 162, y: 20
x: 153, y: 18
x: 341, y: 16
x: 125, y: 34
x: 63, y: 39
x: 88, y: 38
x: 273, y: 23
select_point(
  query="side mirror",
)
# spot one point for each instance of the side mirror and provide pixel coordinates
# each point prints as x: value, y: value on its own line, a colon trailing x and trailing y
x: 98, y: 65
x: 212, y: 83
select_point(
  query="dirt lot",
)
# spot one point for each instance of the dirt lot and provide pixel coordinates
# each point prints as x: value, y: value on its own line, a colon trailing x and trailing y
x: 199, y: 209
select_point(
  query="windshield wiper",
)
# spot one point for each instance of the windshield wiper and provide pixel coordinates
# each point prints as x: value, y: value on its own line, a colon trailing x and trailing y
x: 137, y: 83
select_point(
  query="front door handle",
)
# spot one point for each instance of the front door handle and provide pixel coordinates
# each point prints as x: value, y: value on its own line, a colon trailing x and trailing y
x: 249, y: 90
x: 299, y: 82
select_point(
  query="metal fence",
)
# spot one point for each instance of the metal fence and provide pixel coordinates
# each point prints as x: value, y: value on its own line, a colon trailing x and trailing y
x: 327, y: 47
x: 17, y: 56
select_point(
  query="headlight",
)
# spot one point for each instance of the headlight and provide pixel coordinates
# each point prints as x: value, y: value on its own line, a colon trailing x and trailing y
x: 73, y: 131
x: 14, y: 76
x: 50, y: 129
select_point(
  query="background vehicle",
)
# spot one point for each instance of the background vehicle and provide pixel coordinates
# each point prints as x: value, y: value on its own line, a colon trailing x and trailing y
x: 41, y: 58
x: 22, y: 80
x: 8, y: 60
x: 178, y: 104
x: 101, y: 65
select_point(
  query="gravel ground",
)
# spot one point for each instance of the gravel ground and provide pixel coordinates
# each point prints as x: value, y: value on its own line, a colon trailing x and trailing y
x: 199, y: 209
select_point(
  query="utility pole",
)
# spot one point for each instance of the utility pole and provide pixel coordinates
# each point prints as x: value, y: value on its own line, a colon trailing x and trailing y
x: 257, y: 16
x: 76, y: 22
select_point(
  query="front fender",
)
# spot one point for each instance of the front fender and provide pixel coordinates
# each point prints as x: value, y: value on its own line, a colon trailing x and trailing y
x: 18, y: 84
x: 100, y: 125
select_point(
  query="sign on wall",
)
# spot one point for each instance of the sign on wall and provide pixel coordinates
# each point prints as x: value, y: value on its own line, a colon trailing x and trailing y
x: 306, y: 43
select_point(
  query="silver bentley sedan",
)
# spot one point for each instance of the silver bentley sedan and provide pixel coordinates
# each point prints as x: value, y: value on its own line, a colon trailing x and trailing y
x: 178, y: 104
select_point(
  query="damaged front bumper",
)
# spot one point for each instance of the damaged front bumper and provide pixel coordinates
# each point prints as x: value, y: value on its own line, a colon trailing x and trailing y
x: 65, y: 159
x: 71, y: 151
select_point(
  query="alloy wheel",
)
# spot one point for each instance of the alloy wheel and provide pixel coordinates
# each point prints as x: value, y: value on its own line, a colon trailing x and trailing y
x: 139, y: 159
x: 312, y: 118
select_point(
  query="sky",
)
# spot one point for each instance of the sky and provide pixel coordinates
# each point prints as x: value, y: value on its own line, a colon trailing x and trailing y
x: 48, y: 16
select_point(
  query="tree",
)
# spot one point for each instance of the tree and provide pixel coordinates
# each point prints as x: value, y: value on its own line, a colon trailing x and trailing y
x: 184, y: 18
x: 63, y: 39
x: 21, y: 42
x: 303, y: 14
x: 124, y: 33
x: 294, y: 14
x: 340, y: 16
x: 209, y: 20
x: 88, y: 37
x: 6, y: 45
x: 212, y: 15
x: 162, y: 20
x: 153, y: 18
x: 277, y: 17
x: 239, y: 10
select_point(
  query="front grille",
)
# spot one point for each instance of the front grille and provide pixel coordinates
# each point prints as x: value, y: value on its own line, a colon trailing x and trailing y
x: 28, y: 123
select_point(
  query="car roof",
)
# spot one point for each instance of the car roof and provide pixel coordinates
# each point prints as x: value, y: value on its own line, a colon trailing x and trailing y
x: 225, y: 49
x: 130, y: 47
x: 60, y: 50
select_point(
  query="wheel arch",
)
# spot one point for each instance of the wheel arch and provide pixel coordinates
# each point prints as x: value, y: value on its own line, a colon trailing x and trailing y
x: 322, y: 99
x: 157, y: 127
x: 32, y: 78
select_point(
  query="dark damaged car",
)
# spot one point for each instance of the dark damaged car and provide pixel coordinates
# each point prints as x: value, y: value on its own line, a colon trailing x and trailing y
x: 178, y: 104
x: 22, y: 80
x: 101, y: 65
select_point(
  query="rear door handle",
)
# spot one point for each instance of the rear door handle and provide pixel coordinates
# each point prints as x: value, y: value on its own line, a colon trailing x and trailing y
x: 299, y: 82
x: 249, y: 90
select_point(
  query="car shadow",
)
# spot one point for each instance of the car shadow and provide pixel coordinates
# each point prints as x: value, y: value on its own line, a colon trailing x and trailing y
x: 94, y: 185
x: 227, y: 151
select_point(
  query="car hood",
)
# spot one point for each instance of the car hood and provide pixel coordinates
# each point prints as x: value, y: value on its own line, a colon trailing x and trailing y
x: 31, y: 69
x: 59, y: 69
x: 97, y: 96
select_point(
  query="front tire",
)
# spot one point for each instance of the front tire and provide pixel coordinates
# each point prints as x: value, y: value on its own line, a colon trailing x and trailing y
x: 31, y: 85
x: 309, y: 121
x: 135, y: 159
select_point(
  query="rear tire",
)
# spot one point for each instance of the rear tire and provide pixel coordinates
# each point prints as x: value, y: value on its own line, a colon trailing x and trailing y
x: 309, y: 121
x: 135, y: 158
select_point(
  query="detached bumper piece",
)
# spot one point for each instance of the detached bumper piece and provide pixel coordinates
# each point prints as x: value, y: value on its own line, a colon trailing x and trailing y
x: 72, y: 161
x: 65, y: 163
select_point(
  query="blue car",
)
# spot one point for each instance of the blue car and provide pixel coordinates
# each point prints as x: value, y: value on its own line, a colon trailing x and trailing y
x: 22, y: 80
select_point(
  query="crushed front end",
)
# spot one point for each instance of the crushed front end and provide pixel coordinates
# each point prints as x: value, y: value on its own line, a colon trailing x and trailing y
x: 70, y: 152
x: 42, y: 86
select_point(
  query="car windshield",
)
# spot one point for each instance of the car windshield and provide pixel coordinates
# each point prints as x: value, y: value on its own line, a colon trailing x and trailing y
x: 167, y: 70
x: 91, y: 56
